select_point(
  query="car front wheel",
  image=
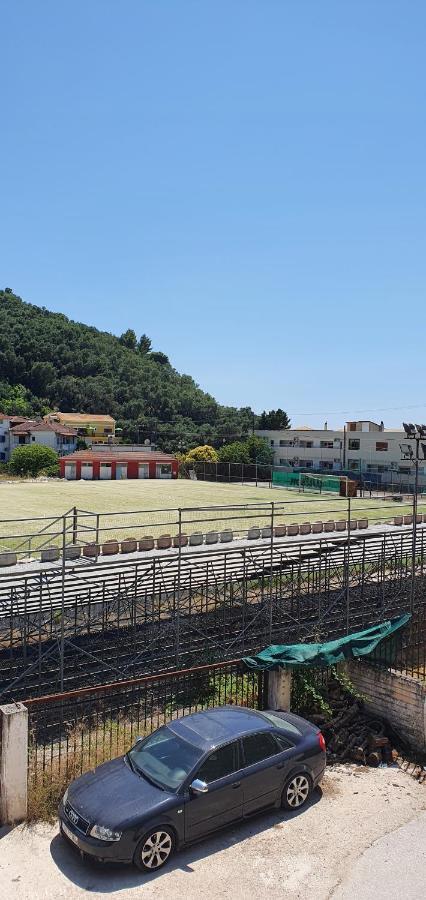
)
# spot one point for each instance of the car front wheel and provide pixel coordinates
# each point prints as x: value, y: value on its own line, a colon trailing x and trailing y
x: 154, y: 849
x: 296, y: 791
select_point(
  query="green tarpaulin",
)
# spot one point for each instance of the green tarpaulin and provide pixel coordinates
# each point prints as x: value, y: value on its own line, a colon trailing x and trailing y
x: 360, y: 643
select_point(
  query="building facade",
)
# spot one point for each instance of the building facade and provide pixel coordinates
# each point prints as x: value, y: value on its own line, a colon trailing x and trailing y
x: 118, y: 464
x: 362, y: 449
x: 16, y: 431
x: 94, y: 429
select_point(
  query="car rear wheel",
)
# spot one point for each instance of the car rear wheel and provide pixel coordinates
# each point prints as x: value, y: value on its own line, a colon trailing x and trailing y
x: 296, y: 791
x: 154, y: 849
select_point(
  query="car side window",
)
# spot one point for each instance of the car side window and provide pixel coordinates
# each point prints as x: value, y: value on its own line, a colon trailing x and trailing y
x: 282, y: 742
x: 220, y: 763
x: 259, y: 746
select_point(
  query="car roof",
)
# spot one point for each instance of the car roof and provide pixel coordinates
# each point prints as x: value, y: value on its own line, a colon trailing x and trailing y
x: 211, y: 727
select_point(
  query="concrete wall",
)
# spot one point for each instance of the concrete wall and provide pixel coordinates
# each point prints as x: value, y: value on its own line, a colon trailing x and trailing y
x: 400, y: 699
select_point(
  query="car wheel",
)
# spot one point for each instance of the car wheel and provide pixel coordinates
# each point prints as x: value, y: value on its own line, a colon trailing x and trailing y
x: 154, y: 849
x: 296, y: 791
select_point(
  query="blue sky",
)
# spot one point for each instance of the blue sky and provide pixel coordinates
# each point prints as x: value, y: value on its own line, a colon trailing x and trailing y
x: 243, y: 181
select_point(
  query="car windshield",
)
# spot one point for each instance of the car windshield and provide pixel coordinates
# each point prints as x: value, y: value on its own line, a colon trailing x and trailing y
x: 164, y: 758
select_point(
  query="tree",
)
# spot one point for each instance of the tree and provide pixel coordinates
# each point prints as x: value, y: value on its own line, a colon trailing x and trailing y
x: 144, y: 345
x: 237, y: 452
x: 41, y: 374
x: 259, y: 450
x: 202, y: 454
x: 128, y: 339
x: 30, y: 459
x: 159, y: 357
x: 275, y: 420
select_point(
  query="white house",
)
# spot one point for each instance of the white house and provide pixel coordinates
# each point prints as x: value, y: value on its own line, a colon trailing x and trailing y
x: 15, y: 431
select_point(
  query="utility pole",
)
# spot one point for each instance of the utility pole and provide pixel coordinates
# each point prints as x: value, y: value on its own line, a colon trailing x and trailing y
x: 416, y: 433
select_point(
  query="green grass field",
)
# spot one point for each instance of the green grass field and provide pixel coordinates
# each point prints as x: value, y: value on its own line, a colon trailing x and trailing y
x: 157, y: 502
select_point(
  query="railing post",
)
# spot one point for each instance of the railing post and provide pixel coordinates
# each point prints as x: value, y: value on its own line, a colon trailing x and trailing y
x: 348, y: 548
x: 271, y: 593
x: 13, y: 763
x: 177, y: 592
x: 74, y: 525
x: 279, y: 689
x: 62, y: 636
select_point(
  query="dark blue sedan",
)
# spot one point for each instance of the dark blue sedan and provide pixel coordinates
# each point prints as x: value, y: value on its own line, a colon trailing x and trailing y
x: 188, y: 779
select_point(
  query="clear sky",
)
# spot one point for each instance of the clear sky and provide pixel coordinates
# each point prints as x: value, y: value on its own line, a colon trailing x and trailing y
x: 243, y: 180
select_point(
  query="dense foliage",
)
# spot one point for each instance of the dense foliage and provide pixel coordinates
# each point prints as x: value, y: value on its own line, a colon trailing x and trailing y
x: 253, y: 450
x: 49, y: 362
x: 275, y: 419
x: 32, y: 459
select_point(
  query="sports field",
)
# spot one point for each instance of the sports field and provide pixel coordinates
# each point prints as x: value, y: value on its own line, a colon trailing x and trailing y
x: 135, y: 507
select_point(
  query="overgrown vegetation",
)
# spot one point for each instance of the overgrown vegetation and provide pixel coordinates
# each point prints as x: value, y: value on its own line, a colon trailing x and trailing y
x: 309, y: 689
x: 48, y: 361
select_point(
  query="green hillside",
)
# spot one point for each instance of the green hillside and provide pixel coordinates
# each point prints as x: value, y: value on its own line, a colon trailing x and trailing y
x: 47, y: 361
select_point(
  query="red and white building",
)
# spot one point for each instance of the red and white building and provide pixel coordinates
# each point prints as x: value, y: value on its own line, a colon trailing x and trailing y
x: 117, y: 464
x: 16, y: 431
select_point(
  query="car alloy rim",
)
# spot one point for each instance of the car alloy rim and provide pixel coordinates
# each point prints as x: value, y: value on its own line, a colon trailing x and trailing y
x: 156, y: 849
x: 297, y: 790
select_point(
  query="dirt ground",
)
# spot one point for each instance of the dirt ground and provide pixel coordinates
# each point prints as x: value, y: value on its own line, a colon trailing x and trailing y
x: 319, y: 852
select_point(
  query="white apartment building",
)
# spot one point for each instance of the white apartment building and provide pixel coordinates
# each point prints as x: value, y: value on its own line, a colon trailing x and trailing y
x: 362, y: 448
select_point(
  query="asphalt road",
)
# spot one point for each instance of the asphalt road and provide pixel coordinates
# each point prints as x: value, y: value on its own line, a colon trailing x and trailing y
x: 363, y: 836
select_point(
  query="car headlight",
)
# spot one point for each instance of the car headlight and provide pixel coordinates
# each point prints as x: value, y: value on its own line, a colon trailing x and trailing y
x: 64, y: 798
x: 104, y: 834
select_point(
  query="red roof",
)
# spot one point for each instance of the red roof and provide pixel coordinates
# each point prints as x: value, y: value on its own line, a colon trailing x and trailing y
x: 16, y: 419
x: 27, y: 426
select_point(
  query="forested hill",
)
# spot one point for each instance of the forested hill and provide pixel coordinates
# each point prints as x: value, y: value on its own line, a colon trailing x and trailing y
x: 47, y: 361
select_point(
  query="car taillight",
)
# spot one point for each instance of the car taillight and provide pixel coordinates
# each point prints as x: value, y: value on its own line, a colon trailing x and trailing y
x: 321, y: 741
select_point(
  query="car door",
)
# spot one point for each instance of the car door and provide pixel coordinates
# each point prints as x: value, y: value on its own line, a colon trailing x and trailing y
x: 265, y: 762
x: 223, y: 802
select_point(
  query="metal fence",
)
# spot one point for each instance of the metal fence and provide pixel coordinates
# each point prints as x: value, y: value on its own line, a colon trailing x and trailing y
x: 72, y: 732
x: 70, y: 623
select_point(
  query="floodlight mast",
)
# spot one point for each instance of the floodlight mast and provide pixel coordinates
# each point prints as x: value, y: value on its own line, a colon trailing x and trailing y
x: 414, y: 433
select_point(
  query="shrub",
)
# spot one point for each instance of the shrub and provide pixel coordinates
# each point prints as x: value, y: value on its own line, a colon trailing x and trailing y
x: 30, y: 459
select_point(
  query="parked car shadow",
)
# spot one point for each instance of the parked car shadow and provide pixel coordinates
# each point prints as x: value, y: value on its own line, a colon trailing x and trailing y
x: 110, y: 877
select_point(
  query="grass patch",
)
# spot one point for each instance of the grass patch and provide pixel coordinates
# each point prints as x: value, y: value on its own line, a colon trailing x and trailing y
x: 157, y: 502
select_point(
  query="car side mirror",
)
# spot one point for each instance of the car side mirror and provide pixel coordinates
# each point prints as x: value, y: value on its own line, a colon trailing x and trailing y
x: 198, y: 786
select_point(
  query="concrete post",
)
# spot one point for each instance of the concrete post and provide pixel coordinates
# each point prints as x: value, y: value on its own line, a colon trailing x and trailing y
x: 13, y: 763
x: 279, y: 689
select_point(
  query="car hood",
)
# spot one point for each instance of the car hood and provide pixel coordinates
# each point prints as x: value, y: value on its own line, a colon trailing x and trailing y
x: 113, y: 794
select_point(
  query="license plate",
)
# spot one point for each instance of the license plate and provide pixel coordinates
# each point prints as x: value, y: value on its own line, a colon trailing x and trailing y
x: 69, y: 834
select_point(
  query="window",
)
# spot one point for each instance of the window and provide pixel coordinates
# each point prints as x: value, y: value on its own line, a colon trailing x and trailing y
x: 272, y: 443
x: 258, y: 746
x: 381, y: 445
x: 328, y: 444
x: 282, y: 742
x: 2, y: 439
x: 353, y: 465
x: 220, y: 763
x: 308, y: 463
x: 286, y: 443
x: 21, y: 439
x: 351, y: 426
x: 283, y: 462
x: 2, y: 456
x: 283, y: 724
x: 32, y: 437
x: 354, y: 444
x: 326, y: 464
x: 404, y: 470
x: 165, y: 758
x: 306, y: 444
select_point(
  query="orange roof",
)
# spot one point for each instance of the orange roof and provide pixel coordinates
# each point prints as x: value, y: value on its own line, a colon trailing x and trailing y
x: 80, y: 417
